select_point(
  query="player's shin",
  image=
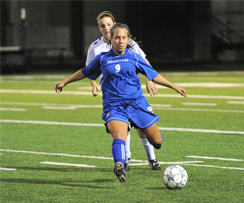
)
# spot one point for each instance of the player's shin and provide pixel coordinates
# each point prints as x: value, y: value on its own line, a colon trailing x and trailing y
x: 118, y: 151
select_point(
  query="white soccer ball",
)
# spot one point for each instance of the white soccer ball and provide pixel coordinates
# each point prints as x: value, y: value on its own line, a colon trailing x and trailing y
x: 175, y: 177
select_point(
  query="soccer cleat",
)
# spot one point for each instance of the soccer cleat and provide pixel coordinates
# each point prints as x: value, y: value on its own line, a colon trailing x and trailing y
x: 119, y: 171
x: 127, y: 165
x: 154, y: 165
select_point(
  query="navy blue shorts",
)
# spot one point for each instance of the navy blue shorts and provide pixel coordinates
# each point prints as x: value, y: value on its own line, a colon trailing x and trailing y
x: 137, y: 111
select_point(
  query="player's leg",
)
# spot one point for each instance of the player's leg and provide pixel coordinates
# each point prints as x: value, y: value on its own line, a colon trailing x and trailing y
x: 149, y: 150
x: 127, y: 153
x: 118, y: 130
x: 153, y: 135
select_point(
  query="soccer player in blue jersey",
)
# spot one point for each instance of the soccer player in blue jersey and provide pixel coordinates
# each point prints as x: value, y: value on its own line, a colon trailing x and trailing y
x: 105, y: 21
x: 123, y: 99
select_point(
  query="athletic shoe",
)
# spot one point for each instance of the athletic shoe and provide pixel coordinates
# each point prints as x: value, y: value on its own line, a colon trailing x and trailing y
x: 127, y: 165
x: 119, y: 171
x: 154, y: 165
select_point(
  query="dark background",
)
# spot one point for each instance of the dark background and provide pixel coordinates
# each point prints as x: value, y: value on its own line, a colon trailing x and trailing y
x: 175, y: 35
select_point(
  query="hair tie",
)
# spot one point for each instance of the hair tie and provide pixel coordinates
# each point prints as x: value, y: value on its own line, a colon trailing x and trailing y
x: 116, y: 26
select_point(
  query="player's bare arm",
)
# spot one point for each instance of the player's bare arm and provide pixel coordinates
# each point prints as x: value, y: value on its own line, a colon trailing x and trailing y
x: 95, y: 87
x: 162, y: 81
x: 151, y: 88
x: 75, y: 77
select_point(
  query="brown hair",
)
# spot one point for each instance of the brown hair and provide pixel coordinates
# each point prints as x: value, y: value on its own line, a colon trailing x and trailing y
x: 105, y: 14
x: 121, y: 25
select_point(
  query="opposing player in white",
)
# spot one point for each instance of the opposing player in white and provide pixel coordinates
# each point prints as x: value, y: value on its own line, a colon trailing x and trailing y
x: 105, y: 21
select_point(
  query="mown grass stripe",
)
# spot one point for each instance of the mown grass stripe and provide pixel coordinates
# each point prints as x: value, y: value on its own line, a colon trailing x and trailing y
x: 101, y: 125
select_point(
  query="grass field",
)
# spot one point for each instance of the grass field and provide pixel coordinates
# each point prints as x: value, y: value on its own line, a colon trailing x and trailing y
x: 54, y: 147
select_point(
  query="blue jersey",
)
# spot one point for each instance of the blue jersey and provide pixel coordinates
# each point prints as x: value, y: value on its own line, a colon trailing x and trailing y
x: 120, y: 80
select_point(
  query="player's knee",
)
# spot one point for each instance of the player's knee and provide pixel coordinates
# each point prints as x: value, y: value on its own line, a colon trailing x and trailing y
x: 158, y: 143
x: 157, y: 146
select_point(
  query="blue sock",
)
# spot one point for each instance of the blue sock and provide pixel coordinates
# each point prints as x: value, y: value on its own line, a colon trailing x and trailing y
x: 162, y: 137
x: 118, y: 151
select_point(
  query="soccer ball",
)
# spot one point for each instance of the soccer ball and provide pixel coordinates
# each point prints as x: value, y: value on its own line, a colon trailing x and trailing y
x: 175, y: 177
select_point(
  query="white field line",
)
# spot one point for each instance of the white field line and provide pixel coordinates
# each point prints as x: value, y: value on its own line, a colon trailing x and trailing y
x: 56, y: 154
x: 170, y: 163
x: 68, y: 164
x: 12, y: 109
x: 189, y: 109
x: 59, y: 108
x: 94, y: 157
x: 211, y: 166
x: 218, y: 158
x: 235, y: 102
x: 7, y: 169
x: 166, y: 107
x: 198, y: 104
x: 51, y: 123
x: 52, y: 105
x: 202, y: 130
x: 203, y: 85
x: 67, y: 106
x: 89, y: 93
x: 101, y: 125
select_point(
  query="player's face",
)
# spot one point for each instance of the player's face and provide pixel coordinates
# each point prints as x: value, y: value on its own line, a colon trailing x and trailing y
x: 105, y: 25
x: 120, y: 40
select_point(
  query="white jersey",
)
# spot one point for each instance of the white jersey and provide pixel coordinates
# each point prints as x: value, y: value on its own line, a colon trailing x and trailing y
x: 100, y: 46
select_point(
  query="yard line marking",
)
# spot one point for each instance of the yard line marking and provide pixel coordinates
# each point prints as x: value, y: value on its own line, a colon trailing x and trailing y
x: 68, y: 164
x: 189, y: 109
x: 211, y: 166
x: 198, y: 104
x: 218, y: 158
x: 202, y: 84
x: 202, y: 130
x: 56, y: 154
x: 178, y: 162
x: 7, y: 169
x: 50, y: 105
x: 155, y: 106
x: 89, y: 93
x: 161, y: 105
x: 12, y: 109
x: 52, y: 123
x: 102, y: 125
x: 110, y: 158
x: 59, y: 108
x: 235, y: 102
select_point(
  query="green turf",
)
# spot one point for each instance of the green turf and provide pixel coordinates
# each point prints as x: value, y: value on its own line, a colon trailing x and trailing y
x: 209, y: 181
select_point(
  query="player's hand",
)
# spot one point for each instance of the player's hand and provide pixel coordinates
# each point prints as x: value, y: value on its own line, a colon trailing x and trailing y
x: 181, y: 91
x: 95, y: 88
x: 151, y: 88
x: 59, y: 86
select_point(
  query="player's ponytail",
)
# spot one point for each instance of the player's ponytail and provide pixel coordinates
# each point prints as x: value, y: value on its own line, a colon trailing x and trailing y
x: 105, y: 14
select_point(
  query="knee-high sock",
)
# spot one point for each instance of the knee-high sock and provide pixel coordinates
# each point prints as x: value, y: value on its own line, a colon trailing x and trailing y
x: 118, y: 151
x: 127, y: 147
x: 148, y: 149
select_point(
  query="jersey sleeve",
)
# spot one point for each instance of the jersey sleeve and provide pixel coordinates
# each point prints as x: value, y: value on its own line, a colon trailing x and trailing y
x: 93, y: 70
x: 137, y: 49
x: 144, y: 68
x: 90, y: 55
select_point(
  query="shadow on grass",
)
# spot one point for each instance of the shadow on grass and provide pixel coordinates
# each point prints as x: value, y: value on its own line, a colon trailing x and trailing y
x: 61, y: 182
